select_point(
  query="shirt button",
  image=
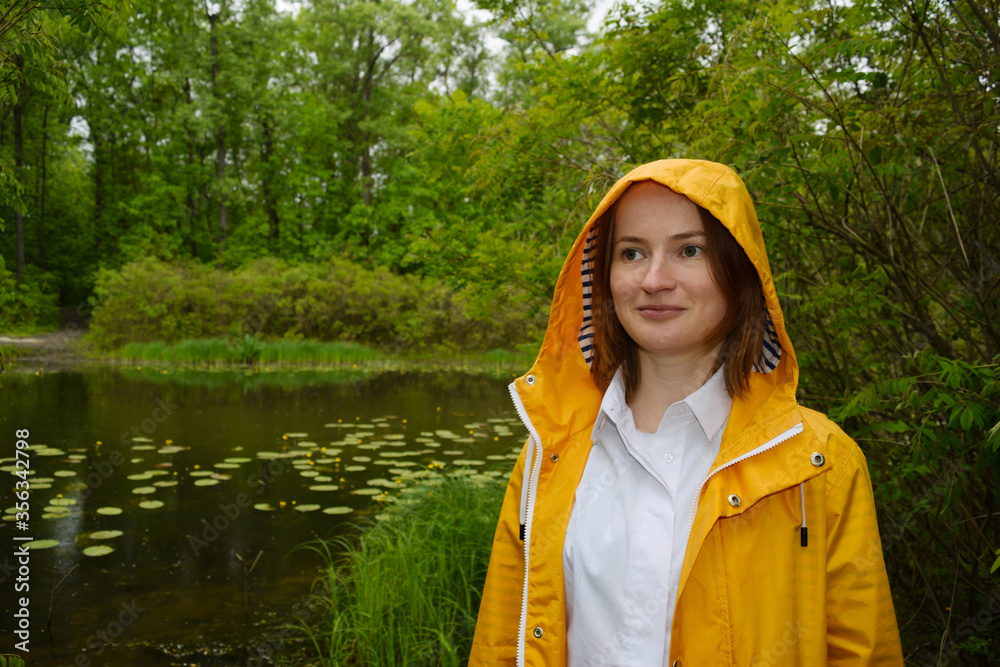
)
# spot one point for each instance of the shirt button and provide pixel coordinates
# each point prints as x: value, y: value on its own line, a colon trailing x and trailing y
x: 668, y: 457
x: 537, y: 632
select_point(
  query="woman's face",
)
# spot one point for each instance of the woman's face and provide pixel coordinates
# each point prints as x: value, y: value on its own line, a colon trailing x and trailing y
x: 662, y: 286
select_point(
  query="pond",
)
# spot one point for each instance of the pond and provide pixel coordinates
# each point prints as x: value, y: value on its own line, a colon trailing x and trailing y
x: 155, y: 491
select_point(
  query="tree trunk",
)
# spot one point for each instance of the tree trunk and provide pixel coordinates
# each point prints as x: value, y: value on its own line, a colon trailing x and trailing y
x: 366, y: 148
x: 99, y: 162
x: 41, y: 192
x: 19, y: 175
x: 272, y: 206
x: 192, y: 208
x: 220, y: 137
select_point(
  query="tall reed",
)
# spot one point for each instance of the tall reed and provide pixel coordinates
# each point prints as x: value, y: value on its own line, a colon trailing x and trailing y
x: 408, y: 591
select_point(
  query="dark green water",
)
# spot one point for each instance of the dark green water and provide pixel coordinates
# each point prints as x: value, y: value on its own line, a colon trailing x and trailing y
x: 172, y: 590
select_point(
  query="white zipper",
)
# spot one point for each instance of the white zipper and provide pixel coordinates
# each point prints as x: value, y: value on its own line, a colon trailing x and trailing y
x: 528, y: 488
x: 773, y: 442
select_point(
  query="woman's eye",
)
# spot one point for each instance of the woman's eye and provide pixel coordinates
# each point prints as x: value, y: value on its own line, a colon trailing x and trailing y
x: 692, y: 250
x: 630, y: 254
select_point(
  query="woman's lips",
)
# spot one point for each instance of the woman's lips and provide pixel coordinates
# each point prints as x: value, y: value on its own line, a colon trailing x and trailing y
x: 660, y: 312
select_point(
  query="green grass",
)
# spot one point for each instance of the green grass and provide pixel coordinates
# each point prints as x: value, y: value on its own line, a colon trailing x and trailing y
x: 251, y: 350
x: 408, y: 591
x: 247, y: 350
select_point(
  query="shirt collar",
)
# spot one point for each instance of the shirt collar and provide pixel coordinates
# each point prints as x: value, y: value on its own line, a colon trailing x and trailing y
x: 710, y: 404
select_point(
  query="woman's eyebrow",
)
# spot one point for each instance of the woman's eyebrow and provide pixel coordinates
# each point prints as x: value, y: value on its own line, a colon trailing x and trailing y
x: 674, y: 237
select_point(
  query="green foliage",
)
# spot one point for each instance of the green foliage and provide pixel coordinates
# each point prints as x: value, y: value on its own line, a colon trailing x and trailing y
x: 334, y: 301
x: 408, y: 592
x: 29, y: 304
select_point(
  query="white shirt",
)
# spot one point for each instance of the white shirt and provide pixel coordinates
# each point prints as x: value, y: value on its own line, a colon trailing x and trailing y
x: 630, y: 523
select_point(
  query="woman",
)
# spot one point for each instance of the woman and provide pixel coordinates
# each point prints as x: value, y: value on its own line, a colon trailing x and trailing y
x: 674, y: 505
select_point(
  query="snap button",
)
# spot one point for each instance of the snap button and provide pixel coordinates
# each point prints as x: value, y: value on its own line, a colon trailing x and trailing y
x: 537, y: 632
x: 817, y: 459
x: 530, y: 379
x: 677, y: 663
x: 554, y: 457
x: 668, y: 457
x: 734, y: 500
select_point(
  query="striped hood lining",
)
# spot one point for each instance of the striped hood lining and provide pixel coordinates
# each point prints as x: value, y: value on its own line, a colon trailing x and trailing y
x: 770, y: 353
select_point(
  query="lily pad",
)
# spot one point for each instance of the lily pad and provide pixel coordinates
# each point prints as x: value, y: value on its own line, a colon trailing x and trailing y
x: 366, y: 492
x: 306, y: 508
x: 309, y: 473
x: 227, y: 466
x: 324, y: 487
x: 338, y: 510
x: 166, y: 483
x: 109, y: 511
x: 64, y: 473
x: 43, y: 450
x: 296, y: 435
x: 144, y: 490
x: 354, y: 468
x: 200, y: 473
x: 105, y: 534
x: 139, y: 476
x: 151, y: 504
x: 206, y: 482
x: 100, y: 550
x: 63, y: 502
x: 140, y: 438
x: 240, y: 459
x: 169, y: 449
x: 264, y: 507
x: 467, y: 462
x: 43, y: 544
x: 51, y: 509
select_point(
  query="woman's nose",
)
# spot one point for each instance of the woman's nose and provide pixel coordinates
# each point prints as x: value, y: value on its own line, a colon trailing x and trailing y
x: 659, y: 276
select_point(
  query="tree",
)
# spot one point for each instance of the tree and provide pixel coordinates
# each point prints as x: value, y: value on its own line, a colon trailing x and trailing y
x: 28, y: 31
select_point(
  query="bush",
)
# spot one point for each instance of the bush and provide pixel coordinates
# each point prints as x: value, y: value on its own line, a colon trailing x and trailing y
x: 28, y: 305
x: 336, y: 301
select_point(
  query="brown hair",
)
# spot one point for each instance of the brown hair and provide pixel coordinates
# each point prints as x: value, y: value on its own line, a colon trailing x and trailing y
x: 741, y: 330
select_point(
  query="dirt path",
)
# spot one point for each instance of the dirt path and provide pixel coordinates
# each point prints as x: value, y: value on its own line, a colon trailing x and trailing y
x: 58, y: 343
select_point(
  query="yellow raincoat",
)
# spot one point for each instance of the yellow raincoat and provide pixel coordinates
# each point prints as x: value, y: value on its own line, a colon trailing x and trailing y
x: 750, y: 592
